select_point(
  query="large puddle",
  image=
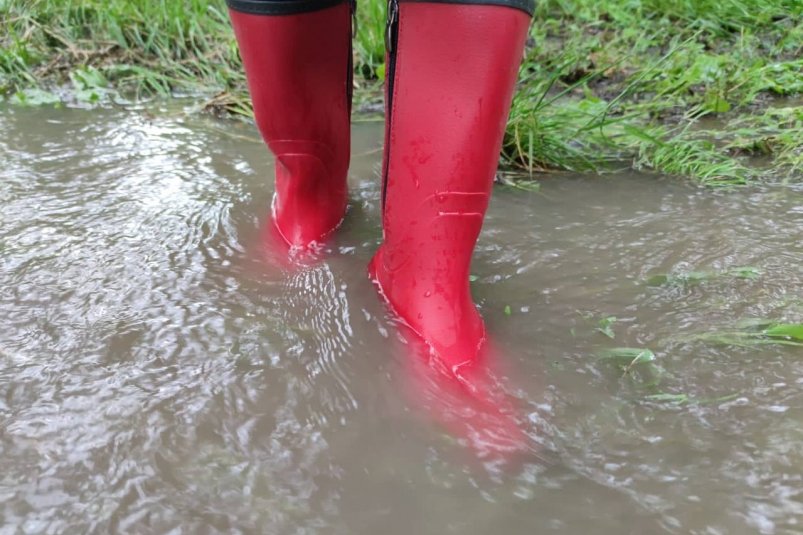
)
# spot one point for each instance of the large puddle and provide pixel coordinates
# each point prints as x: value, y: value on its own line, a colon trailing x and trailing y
x: 160, y: 371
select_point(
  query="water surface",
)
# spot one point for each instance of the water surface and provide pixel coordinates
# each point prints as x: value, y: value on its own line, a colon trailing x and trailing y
x: 159, y: 370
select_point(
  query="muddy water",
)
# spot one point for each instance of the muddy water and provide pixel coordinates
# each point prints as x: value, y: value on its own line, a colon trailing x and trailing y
x: 160, y: 370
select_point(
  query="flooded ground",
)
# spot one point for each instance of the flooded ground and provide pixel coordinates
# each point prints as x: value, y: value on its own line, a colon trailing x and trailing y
x: 160, y: 371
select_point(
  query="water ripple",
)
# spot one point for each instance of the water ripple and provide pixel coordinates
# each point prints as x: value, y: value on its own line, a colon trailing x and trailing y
x: 159, y: 372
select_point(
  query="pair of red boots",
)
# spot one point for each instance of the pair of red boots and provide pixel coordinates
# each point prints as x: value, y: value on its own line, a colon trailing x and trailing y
x: 451, y: 71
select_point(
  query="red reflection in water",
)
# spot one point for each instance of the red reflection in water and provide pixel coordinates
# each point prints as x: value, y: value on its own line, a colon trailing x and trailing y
x: 275, y: 250
x: 472, y: 404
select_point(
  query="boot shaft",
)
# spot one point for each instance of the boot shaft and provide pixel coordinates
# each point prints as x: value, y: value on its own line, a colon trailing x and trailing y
x: 298, y: 66
x: 451, y: 74
x: 297, y: 59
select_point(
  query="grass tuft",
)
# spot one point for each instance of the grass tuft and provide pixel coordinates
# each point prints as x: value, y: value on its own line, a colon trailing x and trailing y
x: 681, y: 87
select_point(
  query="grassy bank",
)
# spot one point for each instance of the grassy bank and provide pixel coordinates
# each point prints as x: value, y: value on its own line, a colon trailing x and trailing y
x: 684, y: 87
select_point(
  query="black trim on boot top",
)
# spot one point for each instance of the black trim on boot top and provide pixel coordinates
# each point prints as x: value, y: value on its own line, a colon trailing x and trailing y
x: 528, y: 6
x: 280, y: 7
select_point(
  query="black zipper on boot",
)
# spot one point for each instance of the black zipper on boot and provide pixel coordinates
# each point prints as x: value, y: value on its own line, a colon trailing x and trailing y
x: 391, y: 43
x: 350, y: 66
x: 353, y: 8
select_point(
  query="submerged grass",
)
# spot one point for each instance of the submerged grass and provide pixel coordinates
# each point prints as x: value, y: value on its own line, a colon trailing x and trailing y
x: 756, y: 333
x: 682, y: 87
x: 692, y: 278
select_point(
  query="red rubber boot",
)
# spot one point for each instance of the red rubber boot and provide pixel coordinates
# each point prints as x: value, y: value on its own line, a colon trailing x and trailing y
x: 297, y: 60
x: 451, y: 74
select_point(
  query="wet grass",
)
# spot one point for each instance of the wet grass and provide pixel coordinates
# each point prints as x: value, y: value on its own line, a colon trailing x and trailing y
x: 693, y: 88
x: 681, y: 87
x: 144, y: 48
x: 756, y: 333
x: 686, y: 399
x: 692, y: 278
